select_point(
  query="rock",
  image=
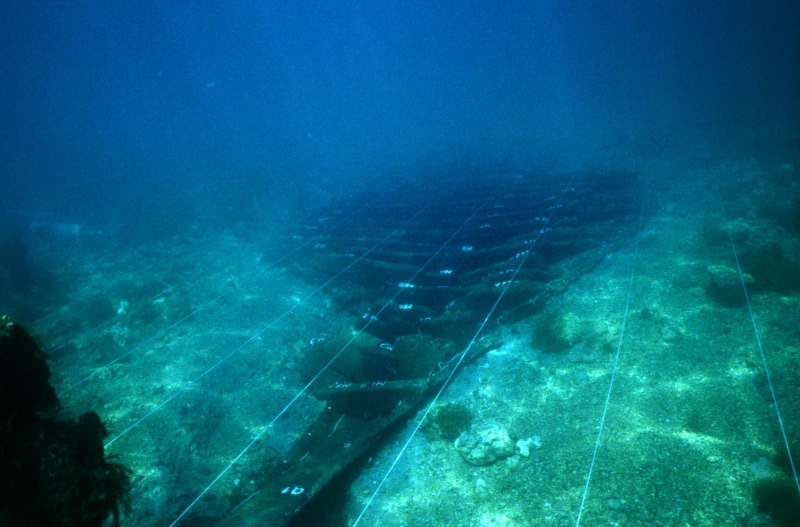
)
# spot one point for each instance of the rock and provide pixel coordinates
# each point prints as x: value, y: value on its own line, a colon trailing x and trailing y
x: 485, y: 443
x: 726, y: 277
x: 481, y: 486
x: 738, y: 230
x: 119, y: 334
x: 617, y: 505
x: 763, y: 468
x: 524, y: 446
x: 557, y: 332
x: 759, y: 520
x: 671, y: 333
x: 725, y: 285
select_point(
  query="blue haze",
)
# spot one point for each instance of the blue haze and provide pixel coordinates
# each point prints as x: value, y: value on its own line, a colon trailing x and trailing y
x: 126, y: 110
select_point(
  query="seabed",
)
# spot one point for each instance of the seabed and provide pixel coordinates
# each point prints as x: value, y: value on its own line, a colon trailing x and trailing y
x: 211, y: 355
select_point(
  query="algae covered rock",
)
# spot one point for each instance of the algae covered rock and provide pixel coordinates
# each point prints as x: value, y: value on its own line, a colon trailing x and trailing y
x: 778, y: 498
x: 725, y: 285
x: 485, y: 443
x: 671, y: 332
x: 736, y: 230
x: 52, y: 472
x: 451, y: 420
x: 772, y: 267
x: 556, y: 331
x: 24, y: 378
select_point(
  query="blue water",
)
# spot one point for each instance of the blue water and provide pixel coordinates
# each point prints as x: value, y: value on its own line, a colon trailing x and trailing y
x: 127, y: 109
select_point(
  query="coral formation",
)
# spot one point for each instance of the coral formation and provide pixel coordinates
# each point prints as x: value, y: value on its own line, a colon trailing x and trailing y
x: 485, y: 443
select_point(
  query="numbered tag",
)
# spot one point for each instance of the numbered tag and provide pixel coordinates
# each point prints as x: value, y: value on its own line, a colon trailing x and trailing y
x: 294, y: 491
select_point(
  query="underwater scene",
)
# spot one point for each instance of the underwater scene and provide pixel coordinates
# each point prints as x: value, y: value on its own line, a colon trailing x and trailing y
x: 401, y: 264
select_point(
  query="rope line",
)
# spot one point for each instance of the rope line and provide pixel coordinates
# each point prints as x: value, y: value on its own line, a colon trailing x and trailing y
x: 202, y: 307
x: 760, y: 348
x: 262, y: 330
x: 176, y: 253
x: 161, y: 332
x: 119, y: 315
x: 109, y: 285
x: 332, y: 360
x: 613, y: 369
x: 458, y: 363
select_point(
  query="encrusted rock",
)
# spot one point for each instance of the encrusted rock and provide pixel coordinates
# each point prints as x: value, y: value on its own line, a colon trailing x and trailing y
x: 485, y: 443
